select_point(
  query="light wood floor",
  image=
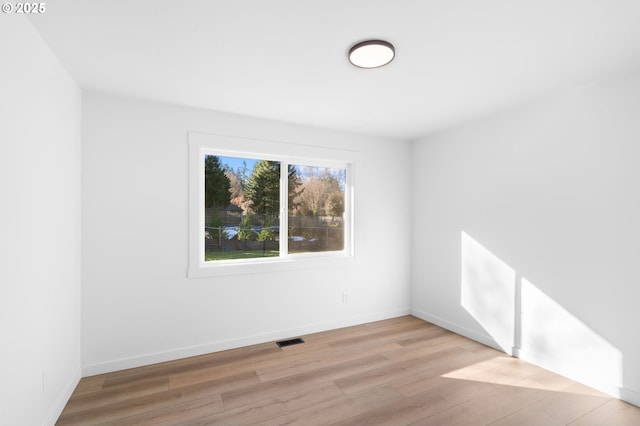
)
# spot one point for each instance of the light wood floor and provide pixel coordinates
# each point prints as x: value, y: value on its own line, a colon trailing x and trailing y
x: 402, y: 371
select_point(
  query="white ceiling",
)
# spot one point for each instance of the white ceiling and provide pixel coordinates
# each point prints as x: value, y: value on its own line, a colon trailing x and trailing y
x: 286, y: 59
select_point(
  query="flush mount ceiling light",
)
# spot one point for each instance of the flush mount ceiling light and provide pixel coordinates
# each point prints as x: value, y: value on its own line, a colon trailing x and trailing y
x: 371, y: 53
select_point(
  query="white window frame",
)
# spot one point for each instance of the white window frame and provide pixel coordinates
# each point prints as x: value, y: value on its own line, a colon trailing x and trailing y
x: 201, y: 144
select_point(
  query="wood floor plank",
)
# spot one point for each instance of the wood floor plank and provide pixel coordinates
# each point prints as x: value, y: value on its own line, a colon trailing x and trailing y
x: 292, y: 364
x: 340, y: 337
x: 324, y: 364
x: 379, y: 376
x: 247, y: 395
x: 437, y: 344
x: 97, y: 400
x: 215, y: 371
x: 117, y: 412
x: 399, y: 332
x: 437, y: 367
x: 335, y: 410
x: 503, y: 370
x: 168, y: 415
x: 449, y: 393
x: 89, y: 385
x: 558, y: 408
x: 267, y: 409
x: 421, y: 336
x: 336, y: 370
x: 486, y: 408
x: 302, y: 382
x: 267, y: 357
x: 545, y: 380
x: 399, y: 371
x: 612, y: 412
x: 228, y: 360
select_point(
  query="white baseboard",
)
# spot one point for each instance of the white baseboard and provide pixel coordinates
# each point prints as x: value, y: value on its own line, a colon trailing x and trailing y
x: 485, y: 339
x: 630, y: 396
x: 184, y: 352
x: 62, y: 399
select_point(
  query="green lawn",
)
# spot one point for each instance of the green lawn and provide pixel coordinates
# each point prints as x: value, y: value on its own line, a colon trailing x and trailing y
x: 239, y: 254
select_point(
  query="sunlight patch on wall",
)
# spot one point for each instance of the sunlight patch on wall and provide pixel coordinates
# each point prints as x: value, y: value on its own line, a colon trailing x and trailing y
x: 524, y: 320
x: 488, y: 291
x: 554, y: 338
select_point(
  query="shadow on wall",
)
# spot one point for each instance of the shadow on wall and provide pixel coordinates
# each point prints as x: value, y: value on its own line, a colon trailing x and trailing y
x: 527, y: 323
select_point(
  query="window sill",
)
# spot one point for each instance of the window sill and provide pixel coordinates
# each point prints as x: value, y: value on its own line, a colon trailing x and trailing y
x: 269, y: 265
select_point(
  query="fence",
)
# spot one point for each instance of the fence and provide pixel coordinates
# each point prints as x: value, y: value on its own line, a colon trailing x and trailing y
x: 301, y: 238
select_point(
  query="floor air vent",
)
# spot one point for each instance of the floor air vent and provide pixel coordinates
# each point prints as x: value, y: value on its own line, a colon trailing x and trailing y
x: 283, y: 343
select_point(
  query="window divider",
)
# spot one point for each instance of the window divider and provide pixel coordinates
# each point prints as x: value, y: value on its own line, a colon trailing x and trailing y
x: 284, y: 209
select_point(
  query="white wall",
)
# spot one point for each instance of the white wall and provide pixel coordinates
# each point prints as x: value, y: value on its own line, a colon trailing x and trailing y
x: 533, y: 215
x: 39, y: 228
x: 138, y: 305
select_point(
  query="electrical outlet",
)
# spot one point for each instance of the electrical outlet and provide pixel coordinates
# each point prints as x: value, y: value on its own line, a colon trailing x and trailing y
x: 345, y: 297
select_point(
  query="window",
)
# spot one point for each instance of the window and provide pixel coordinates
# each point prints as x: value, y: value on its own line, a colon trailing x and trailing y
x: 242, y: 208
x: 252, y: 208
x: 316, y: 208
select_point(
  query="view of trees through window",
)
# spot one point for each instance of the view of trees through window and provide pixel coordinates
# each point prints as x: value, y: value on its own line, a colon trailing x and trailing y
x: 242, y: 208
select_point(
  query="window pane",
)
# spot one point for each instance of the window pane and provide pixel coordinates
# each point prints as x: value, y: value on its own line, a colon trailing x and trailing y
x: 316, y: 209
x: 242, y: 204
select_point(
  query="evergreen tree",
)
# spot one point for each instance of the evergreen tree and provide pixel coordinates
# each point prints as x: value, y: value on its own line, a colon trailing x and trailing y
x: 263, y: 187
x: 216, y: 229
x: 295, y: 189
x: 216, y: 183
x: 245, y: 230
x: 267, y: 233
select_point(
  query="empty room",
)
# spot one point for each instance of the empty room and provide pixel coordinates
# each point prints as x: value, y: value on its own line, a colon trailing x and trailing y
x: 320, y: 212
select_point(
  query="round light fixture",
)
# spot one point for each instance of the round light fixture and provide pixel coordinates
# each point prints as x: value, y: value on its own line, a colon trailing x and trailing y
x: 371, y: 53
